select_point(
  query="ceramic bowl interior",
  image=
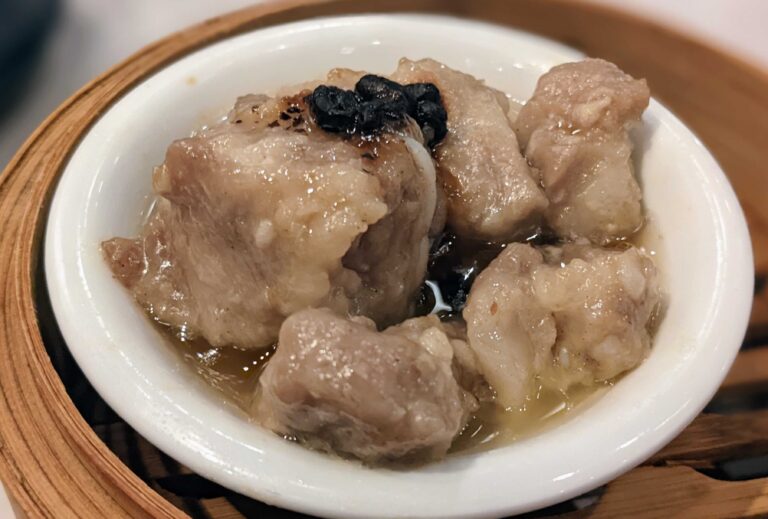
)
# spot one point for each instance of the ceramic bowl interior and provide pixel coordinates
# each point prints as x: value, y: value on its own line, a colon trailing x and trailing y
x: 704, y: 254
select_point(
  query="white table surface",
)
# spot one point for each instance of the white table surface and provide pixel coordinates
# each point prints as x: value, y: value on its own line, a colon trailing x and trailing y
x: 94, y: 34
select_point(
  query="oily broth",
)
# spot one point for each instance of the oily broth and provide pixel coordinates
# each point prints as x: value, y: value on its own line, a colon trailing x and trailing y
x: 232, y: 372
x: 491, y: 426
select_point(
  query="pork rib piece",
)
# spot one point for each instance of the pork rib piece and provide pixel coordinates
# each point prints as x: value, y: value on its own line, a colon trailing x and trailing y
x: 604, y: 302
x: 492, y: 193
x: 510, y: 332
x: 338, y: 385
x: 574, y: 130
x: 265, y: 215
x: 575, y: 314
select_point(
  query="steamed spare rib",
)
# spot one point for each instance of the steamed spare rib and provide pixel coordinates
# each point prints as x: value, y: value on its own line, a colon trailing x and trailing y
x: 266, y: 214
x: 574, y: 131
x: 560, y: 316
x: 491, y: 191
x: 509, y: 331
x: 339, y: 385
x: 605, y: 303
x: 391, y: 257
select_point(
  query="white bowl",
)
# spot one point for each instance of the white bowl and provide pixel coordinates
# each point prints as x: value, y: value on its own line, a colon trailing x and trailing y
x: 706, y: 261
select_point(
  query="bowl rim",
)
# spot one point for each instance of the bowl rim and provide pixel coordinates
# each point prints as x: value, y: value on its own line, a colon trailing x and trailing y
x: 738, y: 246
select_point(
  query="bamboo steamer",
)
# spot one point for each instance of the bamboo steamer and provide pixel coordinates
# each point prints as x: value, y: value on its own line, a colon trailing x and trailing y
x: 59, y: 461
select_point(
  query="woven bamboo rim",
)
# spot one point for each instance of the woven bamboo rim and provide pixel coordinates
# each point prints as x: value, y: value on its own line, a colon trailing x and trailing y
x: 52, y: 461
